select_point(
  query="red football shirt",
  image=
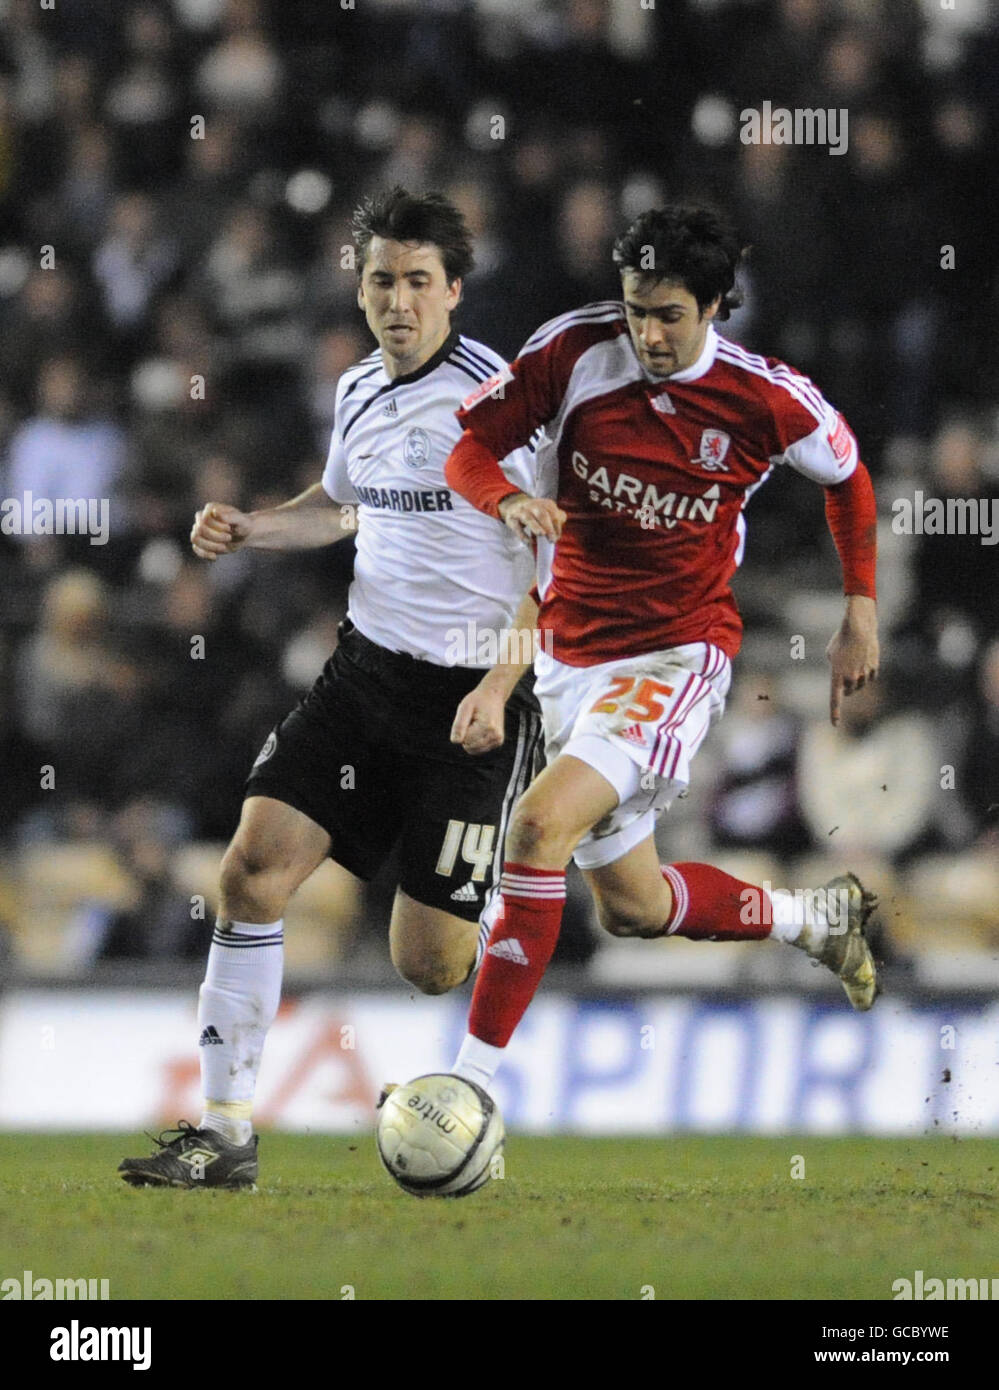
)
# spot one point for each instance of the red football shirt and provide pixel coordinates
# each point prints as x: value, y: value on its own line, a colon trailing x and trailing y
x: 653, y: 474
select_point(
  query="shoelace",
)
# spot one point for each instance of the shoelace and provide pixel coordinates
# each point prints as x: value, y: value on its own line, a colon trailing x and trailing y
x: 184, y: 1130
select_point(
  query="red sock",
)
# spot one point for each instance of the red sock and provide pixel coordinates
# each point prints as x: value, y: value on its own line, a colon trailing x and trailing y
x: 709, y: 905
x: 520, y: 946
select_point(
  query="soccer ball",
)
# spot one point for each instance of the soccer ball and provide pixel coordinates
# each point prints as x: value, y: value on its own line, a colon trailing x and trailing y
x: 438, y: 1135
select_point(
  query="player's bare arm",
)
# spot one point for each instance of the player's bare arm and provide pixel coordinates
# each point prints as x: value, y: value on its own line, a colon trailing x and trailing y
x: 479, y: 723
x: 310, y: 520
x: 853, y: 651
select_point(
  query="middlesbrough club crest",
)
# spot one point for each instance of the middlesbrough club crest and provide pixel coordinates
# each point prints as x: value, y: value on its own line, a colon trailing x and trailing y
x: 714, y: 447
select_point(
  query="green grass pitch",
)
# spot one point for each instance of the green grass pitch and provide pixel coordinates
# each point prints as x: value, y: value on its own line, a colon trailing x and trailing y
x: 713, y: 1217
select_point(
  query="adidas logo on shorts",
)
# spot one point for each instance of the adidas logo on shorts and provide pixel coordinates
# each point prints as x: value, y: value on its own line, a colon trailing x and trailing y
x: 467, y: 893
x: 511, y: 950
x: 210, y: 1035
x: 634, y: 734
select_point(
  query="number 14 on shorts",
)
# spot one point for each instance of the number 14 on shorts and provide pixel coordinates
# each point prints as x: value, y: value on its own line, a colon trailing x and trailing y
x: 476, y: 845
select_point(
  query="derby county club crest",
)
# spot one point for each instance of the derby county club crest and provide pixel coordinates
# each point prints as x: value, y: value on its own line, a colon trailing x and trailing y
x: 416, y: 450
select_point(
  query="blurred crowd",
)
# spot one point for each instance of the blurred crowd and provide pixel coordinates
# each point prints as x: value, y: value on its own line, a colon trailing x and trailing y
x: 177, y: 301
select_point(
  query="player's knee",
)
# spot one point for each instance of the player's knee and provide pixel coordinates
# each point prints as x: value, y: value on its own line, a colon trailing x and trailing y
x: 534, y: 831
x: 430, y: 975
x: 431, y: 981
x: 249, y: 883
x: 239, y: 869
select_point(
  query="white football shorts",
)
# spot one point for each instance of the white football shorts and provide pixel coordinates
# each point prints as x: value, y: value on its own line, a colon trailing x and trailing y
x: 638, y: 722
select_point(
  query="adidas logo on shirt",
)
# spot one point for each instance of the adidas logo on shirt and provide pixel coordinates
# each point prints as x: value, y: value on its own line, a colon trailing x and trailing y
x: 210, y: 1035
x: 390, y: 409
x: 465, y: 894
x: 511, y: 950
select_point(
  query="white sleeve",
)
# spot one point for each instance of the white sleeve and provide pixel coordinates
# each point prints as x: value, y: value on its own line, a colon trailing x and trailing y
x: 526, y: 469
x: 520, y: 467
x: 336, y: 481
x: 828, y: 455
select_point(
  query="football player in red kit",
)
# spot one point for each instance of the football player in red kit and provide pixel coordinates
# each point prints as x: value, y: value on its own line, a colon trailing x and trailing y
x: 659, y: 430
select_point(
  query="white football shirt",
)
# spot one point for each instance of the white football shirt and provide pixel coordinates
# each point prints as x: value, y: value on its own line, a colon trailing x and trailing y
x: 429, y: 565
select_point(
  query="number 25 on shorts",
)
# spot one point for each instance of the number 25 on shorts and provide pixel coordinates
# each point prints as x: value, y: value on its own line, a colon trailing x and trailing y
x: 644, y: 705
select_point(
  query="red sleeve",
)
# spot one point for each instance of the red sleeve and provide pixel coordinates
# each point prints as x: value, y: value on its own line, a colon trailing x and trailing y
x: 473, y: 470
x: 505, y: 411
x: 852, y: 514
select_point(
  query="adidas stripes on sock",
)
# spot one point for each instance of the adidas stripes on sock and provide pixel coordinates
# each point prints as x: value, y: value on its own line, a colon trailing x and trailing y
x: 237, y: 1004
x: 481, y: 944
x: 487, y: 920
x: 520, y: 947
x: 710, y: 905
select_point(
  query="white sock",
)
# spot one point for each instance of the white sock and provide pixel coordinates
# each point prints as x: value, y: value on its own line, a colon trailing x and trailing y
x: 236, y: 1006
x: 230, y: 1119
x: 478, y: 1061
x: 804, y: 919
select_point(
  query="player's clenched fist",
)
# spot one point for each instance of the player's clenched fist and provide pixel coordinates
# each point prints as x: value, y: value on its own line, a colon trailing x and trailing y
x: 532, y: 516
x: 219, y: 530
x: 479, y: 724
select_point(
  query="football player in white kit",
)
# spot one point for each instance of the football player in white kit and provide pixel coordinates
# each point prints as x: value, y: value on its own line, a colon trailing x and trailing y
x: 428, y: 566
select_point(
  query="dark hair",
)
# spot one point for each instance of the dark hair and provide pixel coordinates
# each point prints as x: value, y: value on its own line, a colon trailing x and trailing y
x: 424, y: 217
x: 692, y: 245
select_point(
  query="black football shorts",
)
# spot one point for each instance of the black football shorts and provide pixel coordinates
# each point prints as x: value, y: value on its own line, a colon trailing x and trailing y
x: 367, y: 755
